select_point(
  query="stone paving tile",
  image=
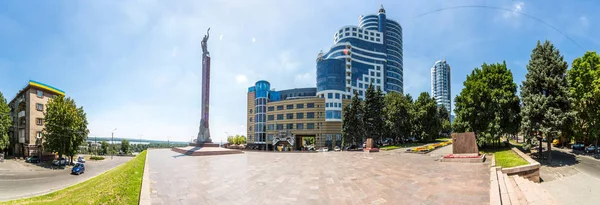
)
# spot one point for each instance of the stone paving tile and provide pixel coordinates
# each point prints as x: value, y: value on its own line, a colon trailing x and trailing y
x: 324, y: 178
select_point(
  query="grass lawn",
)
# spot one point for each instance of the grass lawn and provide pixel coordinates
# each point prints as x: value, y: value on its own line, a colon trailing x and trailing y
x: 120, y: 185
x: 393, y: 147
x: 505, y: 157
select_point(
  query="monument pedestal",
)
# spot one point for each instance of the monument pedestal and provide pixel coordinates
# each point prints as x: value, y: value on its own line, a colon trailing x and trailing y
x: 209, y: 144
x: 205, y: 151
x: 369, y: 148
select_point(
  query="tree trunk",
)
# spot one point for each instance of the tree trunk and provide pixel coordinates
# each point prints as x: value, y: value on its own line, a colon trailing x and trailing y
x: 549, y: 145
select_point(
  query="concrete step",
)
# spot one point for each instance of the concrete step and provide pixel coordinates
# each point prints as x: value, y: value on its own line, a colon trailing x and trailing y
x: 512, y: 195
x: 494, y: 188
x: 518, y: 191
x: 503, y: 190
x: 533, y: 192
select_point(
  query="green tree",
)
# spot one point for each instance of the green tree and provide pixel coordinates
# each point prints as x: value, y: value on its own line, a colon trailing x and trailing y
x: 230, y: 140
x: 104, y: 146
x: 444, y: 118
x: 5, y: 123
x: 239, y: 139
x: 125, y: 147
x: 426, y: 115
x: 398, y: 116
x: 546, y: 106
x: 65, y: 126
x: 352, y: 123
x: 374, y: 116
x: 584, y: 81
x: 488, y: 104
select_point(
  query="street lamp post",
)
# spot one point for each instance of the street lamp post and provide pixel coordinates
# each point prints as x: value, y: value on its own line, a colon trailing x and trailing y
x: 168, y: 141
x: 112, y: 141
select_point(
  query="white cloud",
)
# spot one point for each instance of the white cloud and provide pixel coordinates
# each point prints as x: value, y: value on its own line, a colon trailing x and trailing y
x: 516, y: 7
x: 584, y: 21
x: 253, y: 39
x: 307, y: 79
x: 241, y: 79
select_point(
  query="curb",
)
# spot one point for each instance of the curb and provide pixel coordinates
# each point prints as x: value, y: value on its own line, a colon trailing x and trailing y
x: 145, y: 198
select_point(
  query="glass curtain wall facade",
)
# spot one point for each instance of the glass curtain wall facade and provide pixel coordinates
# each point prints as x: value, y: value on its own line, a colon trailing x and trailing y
x: 260, y: 117
x: 363, y: 55
x: 440, y: 84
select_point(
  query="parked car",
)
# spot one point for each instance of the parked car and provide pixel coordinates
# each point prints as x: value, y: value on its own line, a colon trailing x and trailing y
x: 60, y: 162
x: 337, y: 149
x: 78, y: 169
x: 33, y: 159
x: 325, y: 149
x: 555, y: 142
x: 590, y: 148
x: 578, y: 146
x: 81, y: 159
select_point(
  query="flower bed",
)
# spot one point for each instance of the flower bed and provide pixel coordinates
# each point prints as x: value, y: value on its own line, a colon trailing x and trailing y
x: 429, y: 148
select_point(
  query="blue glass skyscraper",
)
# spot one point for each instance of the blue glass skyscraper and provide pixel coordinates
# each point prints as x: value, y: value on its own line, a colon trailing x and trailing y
x: 370, y: 53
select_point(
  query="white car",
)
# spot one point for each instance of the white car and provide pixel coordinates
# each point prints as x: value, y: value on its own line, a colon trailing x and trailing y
x: 325, y: 149
x: 81, y: 159
x: 337, y: 149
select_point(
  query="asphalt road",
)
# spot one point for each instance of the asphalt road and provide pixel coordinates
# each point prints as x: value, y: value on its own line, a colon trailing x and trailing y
x: 584, y: 164
x: 22, y: 184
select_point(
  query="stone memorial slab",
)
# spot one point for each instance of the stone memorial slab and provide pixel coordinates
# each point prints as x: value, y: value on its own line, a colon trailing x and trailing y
x: 464, y: 143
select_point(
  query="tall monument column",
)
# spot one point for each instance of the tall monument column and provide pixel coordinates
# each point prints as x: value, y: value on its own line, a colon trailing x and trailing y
x: 204, y: 133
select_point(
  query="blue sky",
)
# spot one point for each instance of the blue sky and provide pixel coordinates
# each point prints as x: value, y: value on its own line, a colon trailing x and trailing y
x: 135, y: 65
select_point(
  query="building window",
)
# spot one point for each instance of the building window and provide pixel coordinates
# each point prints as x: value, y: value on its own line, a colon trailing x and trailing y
x: 337, y: 96
x: 39, y: 135
x: 299, y: 126
x: 271, y: 108
x: 279, y: 116
x: 39, y: 121
x: 250, y: 119
x: 40, y: 94
x: 377, y: 39
x: 271, y: 117
x: 300, y: 115
x: 353, y: 34
x: 280, y: 107
x: 310, y: 105
x: 328, y: 137
x: 329, y: 95
x: 270, y: 137
x: 360, y: 85
x: 289, y: 107
x: 310, y: 115
x: 378, y: 81
x: 378, y: 68
x: 270, y: 127
x: 326, y: 104
x: 250, y: 111
x: 347, y: 29
x: 360, y: 35
x: 299, y: 106
x: 378, y: 87
x: 338, y: 137
x: 310, y: 126
x: 353, y: 29
x: 372, y: 73
x: 372, y: 39
x: 289, y: 116
x: 360, y: 92
x: 289, y: 126
x: 279, y: 126
x: 39, y: 107
x: 249, y: 128
x: 377, y: 34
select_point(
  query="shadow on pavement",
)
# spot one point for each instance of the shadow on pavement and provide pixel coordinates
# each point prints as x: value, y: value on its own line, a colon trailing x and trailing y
x: 559, y: 159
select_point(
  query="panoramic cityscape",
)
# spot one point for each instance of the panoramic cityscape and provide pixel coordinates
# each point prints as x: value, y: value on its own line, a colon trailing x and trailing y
x: 141, y: 103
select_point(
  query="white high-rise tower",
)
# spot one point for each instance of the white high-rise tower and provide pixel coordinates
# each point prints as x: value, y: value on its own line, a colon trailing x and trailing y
x: 440, y: 84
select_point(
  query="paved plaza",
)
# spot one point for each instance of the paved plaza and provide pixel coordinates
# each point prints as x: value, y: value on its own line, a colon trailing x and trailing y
x: 391, y: 177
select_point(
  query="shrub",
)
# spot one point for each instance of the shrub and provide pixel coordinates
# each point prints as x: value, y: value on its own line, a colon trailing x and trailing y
x: 97, y: 158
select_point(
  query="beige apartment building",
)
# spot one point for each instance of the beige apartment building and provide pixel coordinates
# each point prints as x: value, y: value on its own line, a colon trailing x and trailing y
x: 290, y: 117
x: 27, y: 111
